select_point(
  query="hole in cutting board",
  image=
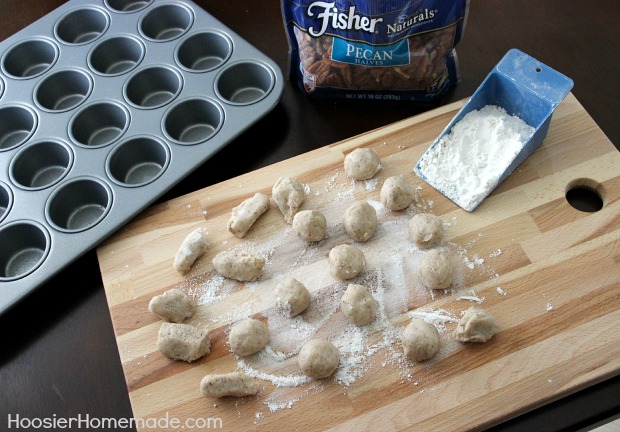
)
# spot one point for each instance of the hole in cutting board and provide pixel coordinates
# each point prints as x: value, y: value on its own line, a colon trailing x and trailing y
x: 585, y: 195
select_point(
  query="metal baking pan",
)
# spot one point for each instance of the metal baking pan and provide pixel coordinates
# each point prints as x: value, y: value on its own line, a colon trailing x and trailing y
x: 104, y: 106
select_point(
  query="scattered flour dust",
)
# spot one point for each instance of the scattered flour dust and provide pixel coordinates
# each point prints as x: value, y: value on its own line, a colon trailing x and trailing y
x: 466, y: 163
x: 391, y: 275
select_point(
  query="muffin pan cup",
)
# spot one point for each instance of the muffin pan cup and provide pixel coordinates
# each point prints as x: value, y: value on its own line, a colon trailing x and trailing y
x: 104, y: 106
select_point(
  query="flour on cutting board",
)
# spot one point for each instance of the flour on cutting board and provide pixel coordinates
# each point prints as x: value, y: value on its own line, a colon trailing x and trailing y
x: 391, y: 275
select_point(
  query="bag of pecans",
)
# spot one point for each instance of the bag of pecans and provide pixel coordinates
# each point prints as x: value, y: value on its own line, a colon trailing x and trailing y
x: 374, y: 49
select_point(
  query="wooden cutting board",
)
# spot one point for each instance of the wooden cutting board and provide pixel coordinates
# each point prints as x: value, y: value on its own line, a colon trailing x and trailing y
x: 548, y: 272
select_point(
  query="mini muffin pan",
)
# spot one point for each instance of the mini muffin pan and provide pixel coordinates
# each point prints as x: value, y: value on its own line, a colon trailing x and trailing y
x: 104, y: 106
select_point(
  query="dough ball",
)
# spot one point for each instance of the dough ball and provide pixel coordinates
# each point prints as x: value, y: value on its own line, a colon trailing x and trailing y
x: 243, y: 216
x: 436, y: 269
x: 362, y: 164
x: 318, y: 358
x: 310, y: 225
x: 420, y: 340
x: 248, y: 337
x: 173, y: 306
x: 194, y: 245
x: 360, y: 221
x: 476, y: 325
x: 241, y: 266
x: 396, y: 193
x: 237, y: 384
x: 346, y: 261
x: 183, y: 341
x: 289, y: 195
x: 292, y: 296
x: 426, y: 230
x: 358, y: 304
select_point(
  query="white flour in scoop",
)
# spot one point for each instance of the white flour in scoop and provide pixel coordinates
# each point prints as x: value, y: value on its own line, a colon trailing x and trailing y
x: 466, y: 164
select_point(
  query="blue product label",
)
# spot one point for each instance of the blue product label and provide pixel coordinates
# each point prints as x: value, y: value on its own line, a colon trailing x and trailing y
x: 359, y: 53
x: 373, y: 21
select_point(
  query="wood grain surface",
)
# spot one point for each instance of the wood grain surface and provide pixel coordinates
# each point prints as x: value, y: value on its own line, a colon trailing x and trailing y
x: 548, y: 272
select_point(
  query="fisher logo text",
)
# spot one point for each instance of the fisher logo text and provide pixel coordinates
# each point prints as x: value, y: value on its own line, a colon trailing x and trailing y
x: 330, y: 16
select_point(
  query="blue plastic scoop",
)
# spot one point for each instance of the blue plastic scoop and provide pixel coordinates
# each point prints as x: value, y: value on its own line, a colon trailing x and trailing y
x: 523, y: 87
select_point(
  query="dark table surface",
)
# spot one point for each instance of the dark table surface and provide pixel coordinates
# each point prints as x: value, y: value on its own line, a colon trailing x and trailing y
x: 59, y: 356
